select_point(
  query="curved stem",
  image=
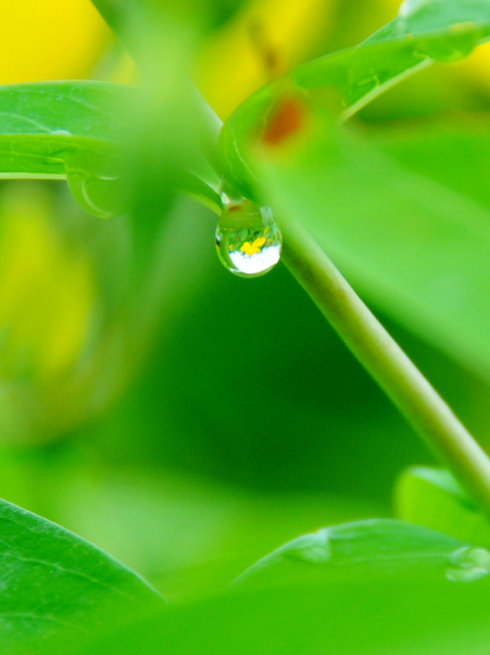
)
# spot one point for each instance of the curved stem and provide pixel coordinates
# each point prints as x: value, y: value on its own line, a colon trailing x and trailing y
x: 387, y: 363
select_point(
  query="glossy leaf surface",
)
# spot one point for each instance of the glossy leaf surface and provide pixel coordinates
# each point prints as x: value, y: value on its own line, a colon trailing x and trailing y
x: 53, y: 581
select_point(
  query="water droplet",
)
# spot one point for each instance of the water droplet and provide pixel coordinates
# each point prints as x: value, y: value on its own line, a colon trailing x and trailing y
x: 468, y: 564
x: 248, y: 238
x: 101, y: 196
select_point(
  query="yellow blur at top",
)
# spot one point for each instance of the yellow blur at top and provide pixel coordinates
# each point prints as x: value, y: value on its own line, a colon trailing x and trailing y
x: 264, y: 39
x: 268, y: 37
x: 49, y: 39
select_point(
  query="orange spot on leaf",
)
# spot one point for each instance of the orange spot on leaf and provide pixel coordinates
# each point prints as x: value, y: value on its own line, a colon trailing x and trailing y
x: 287, y: 119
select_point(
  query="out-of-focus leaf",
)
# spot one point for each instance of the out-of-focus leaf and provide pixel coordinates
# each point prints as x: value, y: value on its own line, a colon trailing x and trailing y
x: 370, y: 549
x: 411, y: 600
x: 424, y: 32
x: 82, y: 131
x: 186, y: 535
x: 456, y: 154
x: 416, y: 247
x: 432, y: 497
x: 146, y: 27
x: 52, y: 581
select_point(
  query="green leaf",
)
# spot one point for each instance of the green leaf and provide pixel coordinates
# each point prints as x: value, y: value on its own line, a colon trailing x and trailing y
x: 53, y: 581
x: 335, y: 619
x: 432, y: 497
x: 414, y: 246
x: 370, y: 549
x: 83, y: 131
x: 403, y: 604
x: 46, y: 126
x: 437, y: 150
x: 424, y: 32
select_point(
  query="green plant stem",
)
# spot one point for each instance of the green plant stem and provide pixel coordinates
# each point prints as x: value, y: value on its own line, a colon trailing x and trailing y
x: 387, y: 363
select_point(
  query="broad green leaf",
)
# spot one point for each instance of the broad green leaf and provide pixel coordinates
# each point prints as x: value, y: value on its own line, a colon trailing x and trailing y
x: 76, y: 130
x: 84, y: 131
x: 424, y: 32
x: 371, y: 549
x: 53, y: 581
x: 432, y: 497
x: 410, y: 601
x: 416, y: 247
x: 454, y: 154
x: 45, y: 126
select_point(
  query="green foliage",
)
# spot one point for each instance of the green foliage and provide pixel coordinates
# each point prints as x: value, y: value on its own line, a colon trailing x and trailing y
x: 49, y: 125
x: 405, y: 222
x: 405, y: 619
x: 346, y: 81
x: 409, y: 244
x: 53, y: 581
x: 371, y: 550
x: 378, y: 586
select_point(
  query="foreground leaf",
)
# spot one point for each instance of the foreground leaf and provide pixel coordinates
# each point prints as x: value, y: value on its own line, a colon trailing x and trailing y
x: 416, y: 247
x: 53, y: 581
x: 404, y: 604
x: 84, y: 131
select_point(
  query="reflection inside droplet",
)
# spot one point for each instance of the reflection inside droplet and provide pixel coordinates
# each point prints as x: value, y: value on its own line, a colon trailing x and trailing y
x: 248, y: 238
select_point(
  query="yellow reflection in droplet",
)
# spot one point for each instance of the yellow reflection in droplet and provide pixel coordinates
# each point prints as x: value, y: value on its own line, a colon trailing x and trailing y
x: 253, y: 248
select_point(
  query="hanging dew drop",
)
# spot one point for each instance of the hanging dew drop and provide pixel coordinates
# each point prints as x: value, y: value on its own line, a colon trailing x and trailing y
x: 248, y: 239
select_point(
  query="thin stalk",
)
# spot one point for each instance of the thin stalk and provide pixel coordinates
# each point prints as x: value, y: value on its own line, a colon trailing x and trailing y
x: 387, y: 363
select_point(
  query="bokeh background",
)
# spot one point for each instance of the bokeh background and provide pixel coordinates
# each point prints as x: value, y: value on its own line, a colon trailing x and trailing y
x: 235, y: 419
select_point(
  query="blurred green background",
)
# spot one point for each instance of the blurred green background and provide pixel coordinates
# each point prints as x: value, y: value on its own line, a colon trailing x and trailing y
x: 231, y: 419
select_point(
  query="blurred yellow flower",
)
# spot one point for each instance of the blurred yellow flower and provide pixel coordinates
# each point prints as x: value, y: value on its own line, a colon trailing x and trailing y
x: 476, y: 67
x: 263, y: 40
x: 46, y: 290
x: 49, y: 40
